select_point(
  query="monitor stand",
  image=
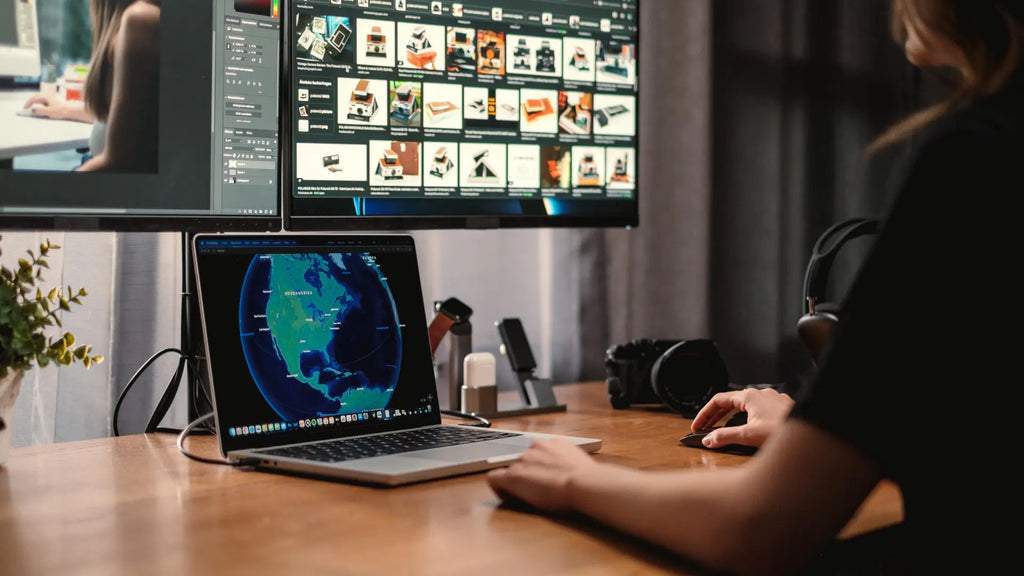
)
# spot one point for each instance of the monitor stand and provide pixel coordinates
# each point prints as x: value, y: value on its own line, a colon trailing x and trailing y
x: 192, y: 362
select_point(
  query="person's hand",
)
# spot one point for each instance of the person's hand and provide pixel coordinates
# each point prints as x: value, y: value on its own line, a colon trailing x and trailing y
x: 56, y: 108
x: 542, y: 477
x: 766, y: 409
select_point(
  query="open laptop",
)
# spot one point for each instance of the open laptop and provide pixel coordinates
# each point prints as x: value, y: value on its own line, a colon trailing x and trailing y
x: 319, y: 361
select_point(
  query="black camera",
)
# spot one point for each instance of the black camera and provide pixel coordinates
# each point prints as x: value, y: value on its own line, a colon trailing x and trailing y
x: 680, y: 374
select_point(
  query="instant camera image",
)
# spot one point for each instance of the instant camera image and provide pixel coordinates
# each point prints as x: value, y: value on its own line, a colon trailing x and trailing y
x: 534, y: 55
x: 616, y: 62
x: 621, y: 164
x: 394, y: 163
x: 405, y: 107
x: 482, y: 165
x: 575, y: 111
x: 375, y: 42
x: 555, y: 167
x: 492, y: 108
x: 614, y: 114
x: 490, y: 52
x: 330, y: 162
x: 324, y: 38
x: 423, y: 46
x: 461, y: 49
x: 442, y: 165
x: 442, y: 105
x: 360, y: 101
x: 578, y: 59
x: 588, y: 164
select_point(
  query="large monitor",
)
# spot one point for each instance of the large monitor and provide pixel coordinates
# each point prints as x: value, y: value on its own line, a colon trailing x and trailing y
x: 436, y: 114
x: 194, y: 100
x: 19, y: 39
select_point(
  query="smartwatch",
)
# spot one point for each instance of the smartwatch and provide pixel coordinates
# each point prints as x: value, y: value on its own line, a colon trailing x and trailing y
x: 449, y: 312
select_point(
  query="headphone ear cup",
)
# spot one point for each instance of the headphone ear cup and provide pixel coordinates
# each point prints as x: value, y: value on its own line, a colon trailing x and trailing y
x: 688, y: 374
x: 816, y: 329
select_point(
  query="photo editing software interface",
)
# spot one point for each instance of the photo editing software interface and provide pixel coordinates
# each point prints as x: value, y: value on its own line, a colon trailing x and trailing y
x: 346, y: 348
x: 204, y: 136
x: 511, y: 107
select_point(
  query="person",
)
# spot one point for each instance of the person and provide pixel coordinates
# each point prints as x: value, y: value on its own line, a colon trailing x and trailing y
x: 908, y: 384
x: 121, y: 88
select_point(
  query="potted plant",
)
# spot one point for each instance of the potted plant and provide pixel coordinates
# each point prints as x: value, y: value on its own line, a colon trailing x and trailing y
x: 30, y: 320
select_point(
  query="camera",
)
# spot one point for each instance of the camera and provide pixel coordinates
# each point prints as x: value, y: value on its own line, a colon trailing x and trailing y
x: 680, y: 374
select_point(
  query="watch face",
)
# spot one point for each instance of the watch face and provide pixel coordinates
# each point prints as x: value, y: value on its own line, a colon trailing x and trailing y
x: 455, y: 309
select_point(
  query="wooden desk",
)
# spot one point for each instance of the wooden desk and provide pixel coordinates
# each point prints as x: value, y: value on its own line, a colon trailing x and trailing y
x: 135, y: 505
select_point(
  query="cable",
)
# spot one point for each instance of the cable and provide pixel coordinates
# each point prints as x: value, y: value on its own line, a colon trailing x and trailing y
x: 481, y: 422
x: 188, y: 430
x: 168, y: 397
x: 131, y: 382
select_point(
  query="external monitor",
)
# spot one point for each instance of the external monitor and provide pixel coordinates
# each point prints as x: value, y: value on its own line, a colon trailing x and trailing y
x: 511, y: 113
x: 19, y: 40
x: 200, y: 96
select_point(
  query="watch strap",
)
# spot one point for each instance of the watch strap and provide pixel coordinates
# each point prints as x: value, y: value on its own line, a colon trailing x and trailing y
x: 439, y: 326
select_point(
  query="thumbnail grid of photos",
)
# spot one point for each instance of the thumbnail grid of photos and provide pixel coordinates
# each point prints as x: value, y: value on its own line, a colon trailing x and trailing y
x: 385, y: 107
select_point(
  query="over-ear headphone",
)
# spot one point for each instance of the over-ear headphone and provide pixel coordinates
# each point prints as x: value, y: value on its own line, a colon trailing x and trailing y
x: 820, y: 317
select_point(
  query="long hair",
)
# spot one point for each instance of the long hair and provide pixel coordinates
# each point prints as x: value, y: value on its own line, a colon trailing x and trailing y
x: 990, y: 33
x: 106, y: 24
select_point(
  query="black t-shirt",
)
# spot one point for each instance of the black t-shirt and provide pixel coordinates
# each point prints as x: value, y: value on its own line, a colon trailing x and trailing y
x: 922, y: 372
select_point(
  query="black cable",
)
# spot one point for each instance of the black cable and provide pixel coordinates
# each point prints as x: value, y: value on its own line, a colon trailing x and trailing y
x: 188, y: 430
x: 131, y: 382
x: 480, y: 421
x: 168, y: 397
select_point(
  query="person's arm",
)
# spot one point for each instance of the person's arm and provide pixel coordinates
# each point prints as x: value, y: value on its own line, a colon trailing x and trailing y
x: 57, y: 109
x: 768, y: 516
x: 766, y: 410
x: 135, y: 91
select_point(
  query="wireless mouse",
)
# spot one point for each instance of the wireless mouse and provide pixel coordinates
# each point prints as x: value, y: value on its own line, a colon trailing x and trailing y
x: 694, y: 439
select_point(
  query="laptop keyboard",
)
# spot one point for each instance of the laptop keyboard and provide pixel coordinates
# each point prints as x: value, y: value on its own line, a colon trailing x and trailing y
x: 391, y: 443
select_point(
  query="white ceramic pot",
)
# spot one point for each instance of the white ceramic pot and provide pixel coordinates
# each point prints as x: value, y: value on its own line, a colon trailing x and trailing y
x: 10, y: 385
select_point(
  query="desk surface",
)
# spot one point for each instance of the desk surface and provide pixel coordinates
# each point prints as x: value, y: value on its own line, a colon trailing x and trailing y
x: 135, y: 505
x: 21, y: 136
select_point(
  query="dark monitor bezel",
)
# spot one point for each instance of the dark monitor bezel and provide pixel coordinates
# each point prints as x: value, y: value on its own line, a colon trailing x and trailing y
x: 605, y: 213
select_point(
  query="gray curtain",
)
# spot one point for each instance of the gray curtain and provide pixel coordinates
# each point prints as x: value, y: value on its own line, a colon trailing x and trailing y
x: 754, y: 122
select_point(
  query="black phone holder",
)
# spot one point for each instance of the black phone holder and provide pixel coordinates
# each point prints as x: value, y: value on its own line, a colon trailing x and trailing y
x: 537, y: 393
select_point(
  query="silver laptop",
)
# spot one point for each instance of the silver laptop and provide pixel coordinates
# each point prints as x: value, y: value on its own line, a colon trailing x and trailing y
x: 319, y: 361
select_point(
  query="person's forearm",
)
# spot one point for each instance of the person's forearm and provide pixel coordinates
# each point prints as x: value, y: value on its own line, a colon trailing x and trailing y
x: 692, y: 513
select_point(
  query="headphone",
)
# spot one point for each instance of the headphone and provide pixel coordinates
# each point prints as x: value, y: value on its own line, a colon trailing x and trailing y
x: 820, y: 317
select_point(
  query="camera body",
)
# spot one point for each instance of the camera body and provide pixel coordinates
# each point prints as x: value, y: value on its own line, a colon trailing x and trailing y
x: 628, y: 368
x: 681, y: 374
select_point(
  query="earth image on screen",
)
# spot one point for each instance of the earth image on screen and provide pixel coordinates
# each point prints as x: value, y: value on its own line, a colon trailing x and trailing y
x: 320, y: 333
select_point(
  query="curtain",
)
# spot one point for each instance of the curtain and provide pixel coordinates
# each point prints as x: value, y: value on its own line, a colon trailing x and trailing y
x: 130, y: 312
x: 755, y: 119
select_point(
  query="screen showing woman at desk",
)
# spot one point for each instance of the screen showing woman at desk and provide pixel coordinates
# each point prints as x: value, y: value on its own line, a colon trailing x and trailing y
x: 117, y: 92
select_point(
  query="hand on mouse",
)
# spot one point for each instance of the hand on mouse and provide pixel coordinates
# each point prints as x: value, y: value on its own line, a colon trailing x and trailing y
x: 57, y: 109
x: 766, y: 409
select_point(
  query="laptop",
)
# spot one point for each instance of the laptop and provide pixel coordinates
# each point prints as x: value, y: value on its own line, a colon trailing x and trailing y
x: 319, y: 361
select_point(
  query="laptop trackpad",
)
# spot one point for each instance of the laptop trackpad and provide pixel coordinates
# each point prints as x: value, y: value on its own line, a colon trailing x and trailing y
x: 467, y: 452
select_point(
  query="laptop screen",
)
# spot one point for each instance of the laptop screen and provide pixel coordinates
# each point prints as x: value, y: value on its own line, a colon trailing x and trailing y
x: 311, y: 337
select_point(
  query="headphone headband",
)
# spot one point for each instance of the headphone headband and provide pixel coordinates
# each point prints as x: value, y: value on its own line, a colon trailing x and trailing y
x: 824, y: 252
